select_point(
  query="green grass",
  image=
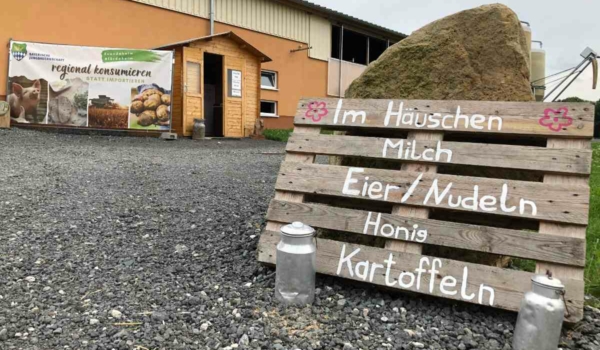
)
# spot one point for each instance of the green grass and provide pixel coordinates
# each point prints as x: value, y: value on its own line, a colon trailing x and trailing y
x: 278, y: 134
x: 284, y: 134
x: 592, y: 268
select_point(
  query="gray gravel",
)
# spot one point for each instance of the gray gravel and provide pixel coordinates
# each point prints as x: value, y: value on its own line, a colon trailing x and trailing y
x: 135, y: 243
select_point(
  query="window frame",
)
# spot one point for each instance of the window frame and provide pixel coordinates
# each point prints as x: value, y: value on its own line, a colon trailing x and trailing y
x: 276, y: 74
x: 270, y: 115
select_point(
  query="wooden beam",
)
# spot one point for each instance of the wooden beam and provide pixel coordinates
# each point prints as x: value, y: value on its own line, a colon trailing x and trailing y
x: 412, y: 211
x: 482, y: 117
x: 522, y: 244
x: 560, y: 271
x: 566, y: 203
x: 297, y: 158
x: 508, y: 285
x: 548, y: 160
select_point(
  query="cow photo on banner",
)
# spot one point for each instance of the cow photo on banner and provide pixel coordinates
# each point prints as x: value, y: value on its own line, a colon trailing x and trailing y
x: 91, y: 87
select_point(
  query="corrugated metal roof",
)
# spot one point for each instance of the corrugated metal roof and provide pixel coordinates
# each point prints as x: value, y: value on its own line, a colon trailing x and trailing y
x: 344, y: 17
x: 230, y: 35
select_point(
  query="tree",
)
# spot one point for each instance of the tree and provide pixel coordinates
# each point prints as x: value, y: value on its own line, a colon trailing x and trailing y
x: 596, y: 112
x: 572, y: 99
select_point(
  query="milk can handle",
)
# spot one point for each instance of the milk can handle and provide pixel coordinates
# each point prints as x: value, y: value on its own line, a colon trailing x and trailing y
x: 562, y: 293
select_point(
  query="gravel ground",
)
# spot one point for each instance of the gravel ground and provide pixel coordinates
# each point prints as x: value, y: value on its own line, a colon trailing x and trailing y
x: 134, y: 243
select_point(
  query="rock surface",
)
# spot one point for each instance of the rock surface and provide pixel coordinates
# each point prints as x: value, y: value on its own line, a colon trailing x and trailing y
x: 477, y: 54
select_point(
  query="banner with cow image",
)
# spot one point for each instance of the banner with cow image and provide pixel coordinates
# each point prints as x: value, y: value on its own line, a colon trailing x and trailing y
x: 93, y: 87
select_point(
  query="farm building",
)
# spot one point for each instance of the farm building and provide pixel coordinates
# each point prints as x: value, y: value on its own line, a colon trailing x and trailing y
x: 303, y: 41
x: 216, y: 78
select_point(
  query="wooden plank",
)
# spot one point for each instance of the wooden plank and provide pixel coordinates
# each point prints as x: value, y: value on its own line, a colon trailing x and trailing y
x: 573, y: 120
x: 521, y: 244
x: 549, y: 160
x: 558, y: 203
x: 560, y: 271
x: 411, y: 211
x: 508, y: 286
x: 296, y: 158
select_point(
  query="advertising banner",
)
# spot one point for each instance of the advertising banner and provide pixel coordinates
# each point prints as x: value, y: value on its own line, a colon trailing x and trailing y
x: 91, y: 87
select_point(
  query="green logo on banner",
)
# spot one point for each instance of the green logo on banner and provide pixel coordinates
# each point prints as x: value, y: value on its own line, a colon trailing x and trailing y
x: 19, y: 51
x: 129, y: 55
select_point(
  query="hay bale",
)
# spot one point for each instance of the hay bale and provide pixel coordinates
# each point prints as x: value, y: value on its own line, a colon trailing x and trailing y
x: 477, y: 54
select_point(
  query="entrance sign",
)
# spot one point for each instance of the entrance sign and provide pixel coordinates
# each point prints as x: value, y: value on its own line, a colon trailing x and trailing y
x: 92, y: 87
x: 558, y: 203
x: 234, y: 78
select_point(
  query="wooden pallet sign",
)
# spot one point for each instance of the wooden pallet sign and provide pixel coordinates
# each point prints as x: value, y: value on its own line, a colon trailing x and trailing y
x: 558, y: 204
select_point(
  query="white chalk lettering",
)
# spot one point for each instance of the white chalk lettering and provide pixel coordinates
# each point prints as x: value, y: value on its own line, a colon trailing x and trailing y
x: 371, y: 190
x: 391, y: 231
x: 352, y: 113
x: 432, y: 273
x: 420, y: 271
x: 463, y: 288
x: 374, y: 268
x: 412, y: 117
x: 347, y: 260
x: 388, y: 263
x: 389, y: 113
x: 401, y: 279
x: 365, y: 270
x: 349, y: 181
x: 473, y: 201
x: 337, y: 111
x: 432, y: 268
x: 490, y: 290
x: 410, y: 151
x: 448, y: 281
x: 411, y: 189
x: 436, y: 192
x: 486, y: 203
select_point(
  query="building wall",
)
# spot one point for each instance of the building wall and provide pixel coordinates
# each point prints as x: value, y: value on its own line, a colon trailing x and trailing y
x: 128, y: 24
x: 199, y: 8
x: 298, y: 75
x: 264, y: 16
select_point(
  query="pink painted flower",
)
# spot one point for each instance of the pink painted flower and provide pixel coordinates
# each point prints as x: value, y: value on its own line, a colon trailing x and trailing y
x: 316, y: 111
x: 556, y: 120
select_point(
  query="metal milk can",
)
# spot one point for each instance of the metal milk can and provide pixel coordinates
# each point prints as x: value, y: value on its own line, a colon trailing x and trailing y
x: 541, y: 315
x: 199, y: 131
x: 295, y: 270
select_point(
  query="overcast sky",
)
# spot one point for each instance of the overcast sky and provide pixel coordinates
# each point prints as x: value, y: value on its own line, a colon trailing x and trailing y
x: 565, y: 27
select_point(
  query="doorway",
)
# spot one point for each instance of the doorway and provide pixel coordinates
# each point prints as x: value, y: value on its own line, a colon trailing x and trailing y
x: 213, y: 94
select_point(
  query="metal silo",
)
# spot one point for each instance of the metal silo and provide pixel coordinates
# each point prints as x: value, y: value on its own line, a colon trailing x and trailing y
x: 538, y: 72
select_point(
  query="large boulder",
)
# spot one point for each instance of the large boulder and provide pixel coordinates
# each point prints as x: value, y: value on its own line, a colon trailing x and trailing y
x: 477, y: 54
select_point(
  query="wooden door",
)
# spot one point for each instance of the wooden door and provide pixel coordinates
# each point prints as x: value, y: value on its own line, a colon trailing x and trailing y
x: 193, y: 85
x: 233, y: 106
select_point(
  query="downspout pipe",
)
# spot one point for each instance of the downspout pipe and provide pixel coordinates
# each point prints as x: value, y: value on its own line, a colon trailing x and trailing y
x: 212, y: 17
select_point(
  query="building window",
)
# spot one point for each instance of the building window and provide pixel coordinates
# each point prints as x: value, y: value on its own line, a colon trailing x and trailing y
x: 268, y: 109
x: 376, y: 48
x: 268, y: 80
x: 357, y: 47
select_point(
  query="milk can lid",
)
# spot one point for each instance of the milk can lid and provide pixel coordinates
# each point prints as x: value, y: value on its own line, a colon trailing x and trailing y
x: 297, y: 229
x: 546, y: 281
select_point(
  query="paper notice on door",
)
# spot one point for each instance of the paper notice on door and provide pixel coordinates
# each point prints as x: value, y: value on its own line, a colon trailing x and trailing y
x: 235, y: 83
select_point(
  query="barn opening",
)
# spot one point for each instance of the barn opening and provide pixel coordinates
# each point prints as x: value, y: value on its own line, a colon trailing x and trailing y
x: 213, y: 94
